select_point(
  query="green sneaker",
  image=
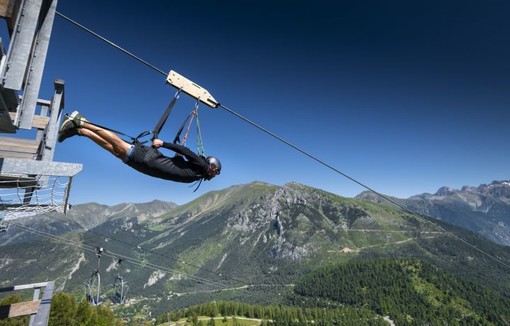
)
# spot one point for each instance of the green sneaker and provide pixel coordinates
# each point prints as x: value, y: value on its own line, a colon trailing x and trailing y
x: 68, y: 129
x: 78, y: 119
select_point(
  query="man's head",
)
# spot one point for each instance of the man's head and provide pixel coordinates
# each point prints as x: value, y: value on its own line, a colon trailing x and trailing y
x: 214, y: 167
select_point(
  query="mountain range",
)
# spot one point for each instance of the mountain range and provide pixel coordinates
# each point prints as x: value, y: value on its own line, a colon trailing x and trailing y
x: 253, y: 242
x: 484, y: 209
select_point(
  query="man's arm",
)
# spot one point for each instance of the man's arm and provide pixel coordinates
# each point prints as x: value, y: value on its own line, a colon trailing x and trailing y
x: 180, y: 149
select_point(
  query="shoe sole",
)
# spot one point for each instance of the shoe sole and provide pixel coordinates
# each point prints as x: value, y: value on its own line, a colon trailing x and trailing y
x: 65, y: 126
x: 66, y: 123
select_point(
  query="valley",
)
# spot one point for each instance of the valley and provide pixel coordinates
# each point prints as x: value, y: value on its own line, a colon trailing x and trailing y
x: 248, y: 243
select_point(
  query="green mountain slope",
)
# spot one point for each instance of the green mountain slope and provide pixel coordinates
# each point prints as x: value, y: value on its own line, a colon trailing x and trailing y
x: 409, y: 291
x: 248, y: 242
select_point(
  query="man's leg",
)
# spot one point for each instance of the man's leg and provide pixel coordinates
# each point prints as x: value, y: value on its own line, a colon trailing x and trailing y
x: 106, y: 139
x: 76, y: 124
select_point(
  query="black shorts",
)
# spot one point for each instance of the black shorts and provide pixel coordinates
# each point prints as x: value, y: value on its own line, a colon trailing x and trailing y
x: 136, y: 154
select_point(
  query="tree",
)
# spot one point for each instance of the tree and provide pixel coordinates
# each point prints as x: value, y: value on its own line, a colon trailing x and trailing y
x: 63, y: 309
x: 86, y: 315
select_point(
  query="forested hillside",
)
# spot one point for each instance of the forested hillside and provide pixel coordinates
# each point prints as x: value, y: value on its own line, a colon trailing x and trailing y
x: 409, y: 291
x: 377, y: 292
x: 278, y: 315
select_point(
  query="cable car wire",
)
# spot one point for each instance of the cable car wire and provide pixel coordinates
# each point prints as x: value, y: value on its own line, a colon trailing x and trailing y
x: 217, y: 285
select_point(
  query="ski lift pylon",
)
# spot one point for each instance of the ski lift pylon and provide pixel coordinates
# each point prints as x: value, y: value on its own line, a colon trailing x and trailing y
x: 93, y: 287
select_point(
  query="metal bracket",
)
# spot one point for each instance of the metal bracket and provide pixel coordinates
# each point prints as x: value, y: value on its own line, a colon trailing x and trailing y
x: 192, y: 89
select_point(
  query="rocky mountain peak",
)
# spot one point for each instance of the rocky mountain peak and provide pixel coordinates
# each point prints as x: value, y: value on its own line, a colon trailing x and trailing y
x: 500, y: 190
x: 444, y: 191
x: 484, y: 208
x: 496, y: 190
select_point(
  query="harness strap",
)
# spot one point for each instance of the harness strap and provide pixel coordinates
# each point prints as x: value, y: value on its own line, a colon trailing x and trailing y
x: 133, y: 139
x: 142, y: 134
x: 177, y: 139
x: 157, y: 128
x: 200, y: 142
x: 110, y: 129
x: 187, y: 121
x: 165, y: 115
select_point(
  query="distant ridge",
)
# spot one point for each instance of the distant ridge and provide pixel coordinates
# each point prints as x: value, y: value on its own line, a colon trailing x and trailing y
x: 484, y: 209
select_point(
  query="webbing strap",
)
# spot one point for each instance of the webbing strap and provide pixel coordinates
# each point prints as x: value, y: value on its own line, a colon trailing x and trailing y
x: 177, y: 139
x: 200, y: 142
x: 157, y: 128
x: 188, y: 121
x: 165, y: 115
x: 109, y: 129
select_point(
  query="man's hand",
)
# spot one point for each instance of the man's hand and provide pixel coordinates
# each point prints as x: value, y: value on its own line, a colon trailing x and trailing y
x: 157, y: 143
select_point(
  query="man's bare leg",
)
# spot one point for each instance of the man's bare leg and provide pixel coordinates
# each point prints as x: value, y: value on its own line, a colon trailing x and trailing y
x: 106, y: 139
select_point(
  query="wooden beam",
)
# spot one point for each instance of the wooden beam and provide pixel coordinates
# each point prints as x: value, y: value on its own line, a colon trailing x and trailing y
x: 19, y: 309
x: 6, y: 7
x: 38, y: 122
x: 17, y: 155
x: 19, y: 145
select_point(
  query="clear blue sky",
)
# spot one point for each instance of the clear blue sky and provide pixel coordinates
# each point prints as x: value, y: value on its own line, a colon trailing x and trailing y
x: 403, y: 96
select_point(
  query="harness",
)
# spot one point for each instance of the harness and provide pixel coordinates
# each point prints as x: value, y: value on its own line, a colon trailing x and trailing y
x: 188, y: 121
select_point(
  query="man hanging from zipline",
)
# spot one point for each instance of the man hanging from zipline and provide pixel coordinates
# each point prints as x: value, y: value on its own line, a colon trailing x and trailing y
x: 186, y: 167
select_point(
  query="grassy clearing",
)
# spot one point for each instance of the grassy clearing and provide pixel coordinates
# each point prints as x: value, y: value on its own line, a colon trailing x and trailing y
x: 218, y: 321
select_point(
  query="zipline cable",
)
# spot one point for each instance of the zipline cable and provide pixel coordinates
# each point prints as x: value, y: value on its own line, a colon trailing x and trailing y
x: 143, y: 264
x: 295, y: 147
x: 111, y: 43
x: 421, y: 216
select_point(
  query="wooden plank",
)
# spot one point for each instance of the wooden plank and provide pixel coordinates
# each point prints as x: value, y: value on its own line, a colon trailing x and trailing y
x: 19, y: 309
x: 16, y: 155
x: 5, y: 8
x: 192, y: 89
x: 38, y: 122
x: 19, y: 145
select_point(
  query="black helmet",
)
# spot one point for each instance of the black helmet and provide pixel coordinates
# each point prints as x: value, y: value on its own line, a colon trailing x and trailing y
x: 213, y: 160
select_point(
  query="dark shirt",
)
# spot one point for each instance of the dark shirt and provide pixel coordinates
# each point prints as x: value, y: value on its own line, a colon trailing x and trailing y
x: 186, y: 168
